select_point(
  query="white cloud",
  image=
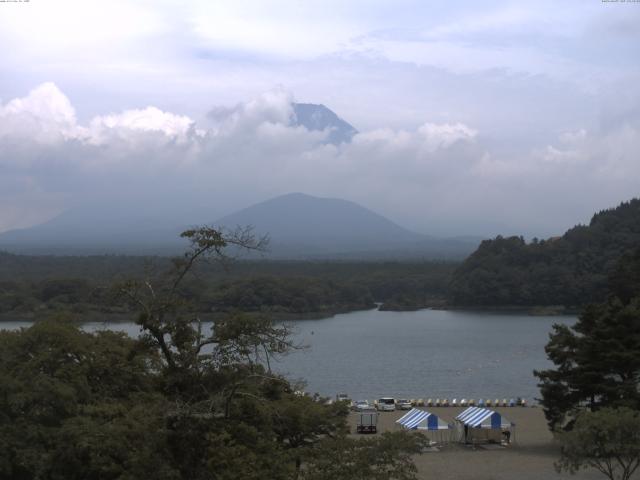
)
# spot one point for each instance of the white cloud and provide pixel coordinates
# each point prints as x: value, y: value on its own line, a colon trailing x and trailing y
x: 273, y: 107
x: 572, y: 137
x: 150, y: 119
x: 443, y: 136
x: 45, y: 115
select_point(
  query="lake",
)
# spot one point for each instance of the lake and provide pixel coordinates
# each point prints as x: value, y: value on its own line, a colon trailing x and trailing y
x: 423, y: 354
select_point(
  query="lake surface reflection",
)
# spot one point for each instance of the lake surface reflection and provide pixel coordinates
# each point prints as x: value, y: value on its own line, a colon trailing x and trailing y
x: 428, y: 353
x: 423, y: 354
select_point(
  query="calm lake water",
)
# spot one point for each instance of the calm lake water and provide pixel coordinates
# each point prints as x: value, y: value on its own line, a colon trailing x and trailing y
x: 423, y: 354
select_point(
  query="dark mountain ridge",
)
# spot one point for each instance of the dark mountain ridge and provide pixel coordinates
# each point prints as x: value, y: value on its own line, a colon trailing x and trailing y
x: 570, y: 270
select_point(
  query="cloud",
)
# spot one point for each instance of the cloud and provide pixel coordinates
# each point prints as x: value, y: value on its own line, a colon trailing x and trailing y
x: 440, y: 178
x: 250, y: 151
x: 493, y: 112
x: 443, y: 136
x: 274, y: 107
x: 150, y: 119
x: 45, y: 115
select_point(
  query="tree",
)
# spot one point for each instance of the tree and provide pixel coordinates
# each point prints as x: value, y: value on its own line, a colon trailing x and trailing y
x: 387, y: 457
x: 300, y: 422
x: 176, y: 403
x: 607, y: 440
x: 624, y: 281
x: 570, y: 270
x: 160, y: 299
x: 75, y: 405
x: 598, y: 359
x: 221, y: 381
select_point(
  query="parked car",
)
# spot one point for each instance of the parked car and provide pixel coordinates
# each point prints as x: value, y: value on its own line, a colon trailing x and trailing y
x: 362, y: 406
x: 386, y: 404
x: 403, y: 404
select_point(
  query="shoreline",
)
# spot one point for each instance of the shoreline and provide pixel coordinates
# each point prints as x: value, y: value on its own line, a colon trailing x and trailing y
x: 96, y: 316
x: 112, y: 317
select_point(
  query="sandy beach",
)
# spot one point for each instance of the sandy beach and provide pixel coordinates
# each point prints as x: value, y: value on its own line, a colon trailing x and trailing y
x: 529, y: 457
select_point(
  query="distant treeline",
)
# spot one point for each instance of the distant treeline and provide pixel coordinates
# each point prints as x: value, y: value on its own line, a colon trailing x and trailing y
x: 85, y: 285
x: 571, y: 270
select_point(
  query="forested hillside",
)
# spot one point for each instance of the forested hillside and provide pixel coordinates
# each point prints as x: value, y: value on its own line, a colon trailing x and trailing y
x: 571, y: 270
x: 32, y: 285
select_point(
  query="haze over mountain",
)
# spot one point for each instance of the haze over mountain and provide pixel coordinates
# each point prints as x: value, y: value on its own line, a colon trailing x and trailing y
x: 299, y: 226
x: 87, y: 232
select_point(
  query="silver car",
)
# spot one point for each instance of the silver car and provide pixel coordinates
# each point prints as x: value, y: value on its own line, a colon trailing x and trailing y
x: 362, y: 406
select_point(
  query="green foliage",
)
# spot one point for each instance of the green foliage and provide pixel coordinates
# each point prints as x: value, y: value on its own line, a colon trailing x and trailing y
x: 624, y: 280
x: 75, y: 405
x: 607, y: 440
x: 597, y: 361
x: 570, y: 270
x: 386, y: 457
x: 39, y: 285
x: 290, y: 295
x: 176, y: 403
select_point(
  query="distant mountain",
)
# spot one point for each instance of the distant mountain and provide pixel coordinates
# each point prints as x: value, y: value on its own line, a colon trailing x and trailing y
x: 569, y: 270
x: 302, y: 219
x: 301, y: 225
x: 88, y: 231
x: 318, y: 117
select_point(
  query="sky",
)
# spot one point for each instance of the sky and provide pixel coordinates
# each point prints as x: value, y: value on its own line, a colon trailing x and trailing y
x: 474, y: 118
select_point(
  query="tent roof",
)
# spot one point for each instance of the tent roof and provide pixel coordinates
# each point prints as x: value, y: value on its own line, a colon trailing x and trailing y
x: 422, y: 420
x: 477, y: 417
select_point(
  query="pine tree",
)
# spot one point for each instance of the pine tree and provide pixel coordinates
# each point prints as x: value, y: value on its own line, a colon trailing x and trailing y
x: 598, y: 359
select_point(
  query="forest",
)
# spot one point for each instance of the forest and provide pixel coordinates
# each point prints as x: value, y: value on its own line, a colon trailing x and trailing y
x: 570, y: 270
x: 31, y: 285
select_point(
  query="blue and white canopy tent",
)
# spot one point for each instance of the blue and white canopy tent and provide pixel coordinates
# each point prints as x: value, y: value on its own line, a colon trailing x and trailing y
x: 426, y: 422
x: 478, y: 424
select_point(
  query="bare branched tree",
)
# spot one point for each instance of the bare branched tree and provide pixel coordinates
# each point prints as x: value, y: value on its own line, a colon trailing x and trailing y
x: 179, y: 334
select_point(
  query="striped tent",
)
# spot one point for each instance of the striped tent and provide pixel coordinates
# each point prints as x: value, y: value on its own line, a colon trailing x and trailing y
x: 421, y: 420
x: 476, y: 417
x: 476, y: 424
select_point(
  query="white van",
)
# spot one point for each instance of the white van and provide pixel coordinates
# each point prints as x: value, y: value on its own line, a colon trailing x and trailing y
x: 386, y: 404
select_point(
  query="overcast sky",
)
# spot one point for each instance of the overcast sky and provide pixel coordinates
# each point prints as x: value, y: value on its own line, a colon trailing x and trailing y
x: 479, y: 117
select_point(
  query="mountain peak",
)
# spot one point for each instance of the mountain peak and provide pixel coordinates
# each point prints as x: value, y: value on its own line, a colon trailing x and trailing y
x: 322, y: 222
x: 317, y: 117
x: 304, y: 226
